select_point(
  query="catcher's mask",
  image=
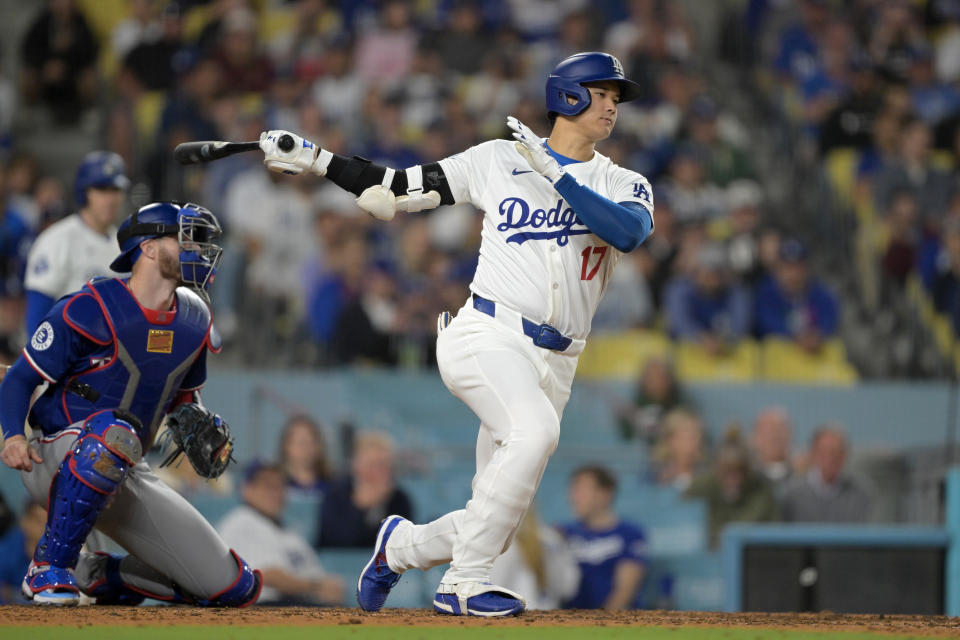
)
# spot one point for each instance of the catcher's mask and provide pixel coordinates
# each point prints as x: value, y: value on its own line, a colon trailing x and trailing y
x: 196, y: 230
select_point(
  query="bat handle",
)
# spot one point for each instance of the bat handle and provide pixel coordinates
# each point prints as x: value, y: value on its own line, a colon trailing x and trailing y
x: 286, y: 142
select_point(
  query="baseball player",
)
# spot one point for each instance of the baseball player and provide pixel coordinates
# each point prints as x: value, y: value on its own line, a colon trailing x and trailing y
x: 557, y: 217
x: 118, y: 355
x: 81, y: 246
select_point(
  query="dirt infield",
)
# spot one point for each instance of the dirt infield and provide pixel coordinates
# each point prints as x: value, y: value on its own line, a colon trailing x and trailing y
x: 296, y: 616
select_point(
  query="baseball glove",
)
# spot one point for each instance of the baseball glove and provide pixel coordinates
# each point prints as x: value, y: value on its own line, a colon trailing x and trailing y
x: 203, y: 436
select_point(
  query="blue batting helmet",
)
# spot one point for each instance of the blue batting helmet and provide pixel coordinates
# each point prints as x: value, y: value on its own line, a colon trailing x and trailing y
x: 99, y: 169
x: 568, y: 77
x: 195, y: 228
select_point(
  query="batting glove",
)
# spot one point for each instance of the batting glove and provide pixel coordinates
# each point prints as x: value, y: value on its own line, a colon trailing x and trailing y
x: 304, y: 156
x: 421, y: 201
x: 532, y: 147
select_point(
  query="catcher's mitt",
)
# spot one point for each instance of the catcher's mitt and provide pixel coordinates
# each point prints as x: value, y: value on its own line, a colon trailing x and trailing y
x: 203, y: 436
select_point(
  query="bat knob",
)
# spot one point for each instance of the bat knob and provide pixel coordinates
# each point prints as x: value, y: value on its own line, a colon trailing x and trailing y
x: 286, y: 143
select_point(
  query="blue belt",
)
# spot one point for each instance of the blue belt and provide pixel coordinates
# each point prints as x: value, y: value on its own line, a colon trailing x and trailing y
x: 543, y: 335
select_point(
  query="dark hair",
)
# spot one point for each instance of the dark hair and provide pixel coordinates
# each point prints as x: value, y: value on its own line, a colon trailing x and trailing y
x: 600, y: 474
x: 321, y: 466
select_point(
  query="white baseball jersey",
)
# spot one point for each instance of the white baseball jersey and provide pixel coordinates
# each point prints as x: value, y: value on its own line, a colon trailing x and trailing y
x: 67, y: 254
x: 266, y: 545
x: 536, y: 256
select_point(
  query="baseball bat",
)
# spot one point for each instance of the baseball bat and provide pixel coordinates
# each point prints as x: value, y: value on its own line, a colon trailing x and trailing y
x: 209, y: 150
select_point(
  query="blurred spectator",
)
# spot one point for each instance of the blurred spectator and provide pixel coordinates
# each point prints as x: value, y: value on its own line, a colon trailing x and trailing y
x: 140, y: 27
x: 9, y: 100
x: 367, y: 326
x: 894, y: 35
x: 292, y: 574
x: 245, y: 68
x: 799, y: 43
x: 692, y: 197
x: 912, y: 170
x: 770, y: 445
x: 611, y: 551
x: 723, y: 162
x: 304, y: 456
x: 679, y: 452
x: 744, y: 198
x: 339, y: 92
x: 933, y: 100
x: 657, y: 392
x: 16, y: 549
x: 829, y: 83
x: 154, y: 61
x: 946, y: 281
x: 732, y: 491
x: 903, y: 233
x: 825, y: 493
x: 850, y: 123
x: 793, y: 304
x: 539, y: 564
x: 658, y: 254
x: 353, y: 507
x: 385, y: 53
x: 59, y: 53
x: 461, y: 43
x: 709, y: 307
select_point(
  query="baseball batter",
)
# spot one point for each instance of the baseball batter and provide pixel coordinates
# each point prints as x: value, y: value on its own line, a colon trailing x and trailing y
x: 557, y: 217
x: 118, y: 356
x: 81, y: 246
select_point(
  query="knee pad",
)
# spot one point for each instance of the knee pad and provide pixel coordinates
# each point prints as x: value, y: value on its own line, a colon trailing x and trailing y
x: 92, y: 472
x: 242, y: 593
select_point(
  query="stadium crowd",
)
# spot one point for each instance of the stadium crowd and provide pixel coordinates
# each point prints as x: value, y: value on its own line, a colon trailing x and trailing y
x: 310, y: 280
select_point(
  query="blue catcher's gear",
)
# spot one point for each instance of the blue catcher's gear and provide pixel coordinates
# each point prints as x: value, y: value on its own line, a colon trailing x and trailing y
x: 45, y: 584
x: 103, y: 169
x: 104, y: 451
x: 196, y: 229
x: 568, y: 78
x: 133, y: 346
x: 110, y: 588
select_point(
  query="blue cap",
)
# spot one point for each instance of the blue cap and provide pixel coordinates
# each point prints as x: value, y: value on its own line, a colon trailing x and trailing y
x: 793, y: 250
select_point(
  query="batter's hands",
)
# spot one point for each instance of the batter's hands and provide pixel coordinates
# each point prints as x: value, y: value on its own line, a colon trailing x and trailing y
x: 531, y: 147
x: 18, y: 454
x: 294, y: 162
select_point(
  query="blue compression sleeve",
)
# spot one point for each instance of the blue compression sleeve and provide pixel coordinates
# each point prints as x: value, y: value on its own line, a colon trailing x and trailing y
x: 15, y: 392
x: 38, y: 304
x: 623, y: 225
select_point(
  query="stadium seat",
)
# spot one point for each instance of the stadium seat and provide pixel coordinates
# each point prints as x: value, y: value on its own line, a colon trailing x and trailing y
x: 840, y: 165
x: 620, y: 355
x: 695, y: 364
x: 784, y: 361
x: 146, y: 114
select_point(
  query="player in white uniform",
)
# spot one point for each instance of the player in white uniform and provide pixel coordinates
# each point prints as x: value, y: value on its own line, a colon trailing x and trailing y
x: 557, y: 217
x: 81, y: 246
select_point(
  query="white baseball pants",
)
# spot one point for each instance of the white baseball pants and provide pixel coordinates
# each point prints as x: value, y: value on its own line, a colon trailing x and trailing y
x: 518, y: 391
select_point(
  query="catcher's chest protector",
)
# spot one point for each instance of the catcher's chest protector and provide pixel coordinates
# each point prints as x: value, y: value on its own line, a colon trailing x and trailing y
x: 149, y: 361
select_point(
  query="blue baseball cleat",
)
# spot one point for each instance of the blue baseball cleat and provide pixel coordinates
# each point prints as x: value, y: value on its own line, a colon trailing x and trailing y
x: 45, y: 584
x: 477, y: 599
x: 377, y: 578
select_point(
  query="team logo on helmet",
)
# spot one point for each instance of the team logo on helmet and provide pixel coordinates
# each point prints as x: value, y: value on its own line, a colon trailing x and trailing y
x: 616, y: 65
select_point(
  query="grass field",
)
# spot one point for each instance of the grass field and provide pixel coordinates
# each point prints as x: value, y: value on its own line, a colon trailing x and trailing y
x: 183, y: 623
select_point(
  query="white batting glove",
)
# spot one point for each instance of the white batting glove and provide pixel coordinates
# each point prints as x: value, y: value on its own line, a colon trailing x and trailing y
x: 304, y: 156
x: 378, y: 201
x: 532, y: 147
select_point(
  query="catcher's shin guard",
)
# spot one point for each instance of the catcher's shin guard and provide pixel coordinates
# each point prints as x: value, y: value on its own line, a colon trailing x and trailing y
x: 242, y: 593
x: 92, y: 472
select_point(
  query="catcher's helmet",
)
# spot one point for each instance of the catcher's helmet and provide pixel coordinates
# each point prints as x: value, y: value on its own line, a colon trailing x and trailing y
x: 568, y: 78
x: 99, y: 169
x: 196, y: 229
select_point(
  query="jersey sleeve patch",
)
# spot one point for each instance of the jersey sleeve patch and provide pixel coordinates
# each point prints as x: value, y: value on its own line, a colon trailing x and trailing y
x: 85, y: 316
